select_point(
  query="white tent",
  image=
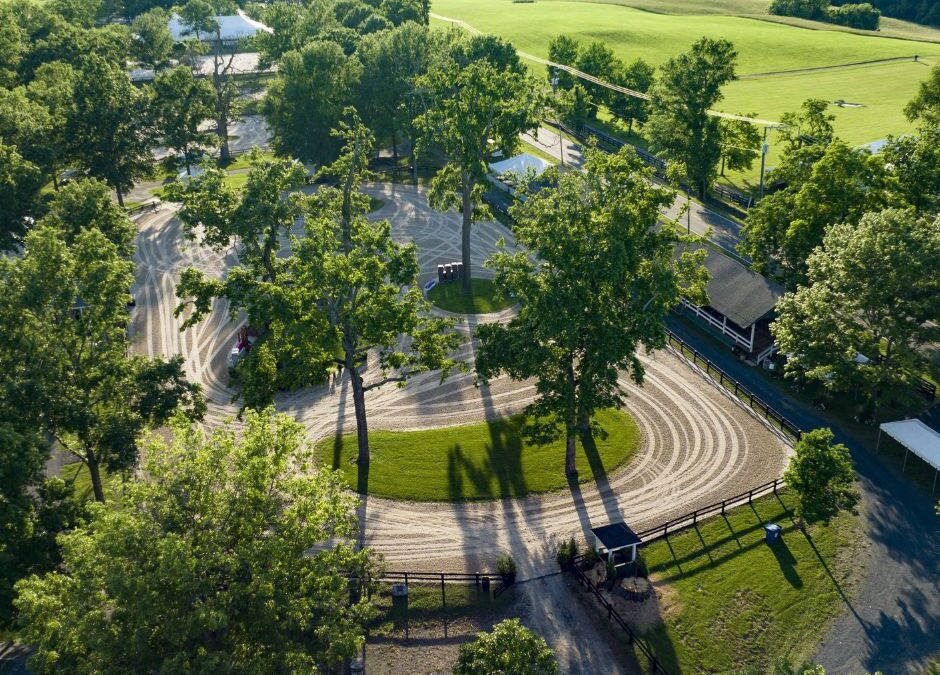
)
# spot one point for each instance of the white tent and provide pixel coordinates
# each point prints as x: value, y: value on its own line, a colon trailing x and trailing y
x: 916, y: 437
x: 521, y: 165
x: 232, y: 28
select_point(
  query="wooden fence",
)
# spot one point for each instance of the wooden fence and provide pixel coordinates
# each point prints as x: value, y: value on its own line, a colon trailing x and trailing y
x: 614, y: 617
x: 775, y: 418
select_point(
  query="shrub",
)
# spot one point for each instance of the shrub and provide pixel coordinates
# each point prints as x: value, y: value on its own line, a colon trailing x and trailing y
x: 861, y: 15
x: 822, y: 476
x: 506, y: 567
x: 510, y: 648
x: 804, y: 9
x: 567, y: 550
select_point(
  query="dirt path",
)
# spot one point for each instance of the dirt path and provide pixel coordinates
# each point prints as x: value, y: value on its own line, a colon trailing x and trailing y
x: 697, y: 445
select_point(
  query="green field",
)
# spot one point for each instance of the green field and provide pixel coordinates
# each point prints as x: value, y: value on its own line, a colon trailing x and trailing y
x: 763, y: 46
x: 487, y: 460
x: 450, y: 297
x: 731, y: 603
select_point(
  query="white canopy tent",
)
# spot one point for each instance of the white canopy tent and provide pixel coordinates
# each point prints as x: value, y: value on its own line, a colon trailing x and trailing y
x: 521, y: 165
x: 918, y: 438
x: 232, y: 28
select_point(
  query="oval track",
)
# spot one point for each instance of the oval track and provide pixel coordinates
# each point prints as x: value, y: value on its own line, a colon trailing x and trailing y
x: 697, y: 446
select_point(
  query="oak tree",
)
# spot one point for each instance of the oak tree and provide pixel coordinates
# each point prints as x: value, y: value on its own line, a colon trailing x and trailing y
x: 594, y: 286
x: 680, y: 127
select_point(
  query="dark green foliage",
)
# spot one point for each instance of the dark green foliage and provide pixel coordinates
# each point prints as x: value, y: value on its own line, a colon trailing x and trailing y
x: 509, y: 649
x: 822, y: 476
x: 919, y: 11
x: 306, y: 101
x: 805, y: 9
x: 506, y: 568
x: 680, y: 128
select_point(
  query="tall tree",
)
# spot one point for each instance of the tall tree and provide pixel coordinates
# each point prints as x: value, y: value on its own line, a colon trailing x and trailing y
x: 53, y: 87
x: 78, y: 381
x: 111, y: 129
x: 926, y: 105
x: 200, y: 17
x: 152, y: 41
x: 20, y: 184
x: 231, y: 576
x: 181, y: 104
x: 810, y: 127
x: 256, y: 219
x: 598, y: 59
x: 306, y: 101
x: 85, y: 204
x: 840, y: 186
x: 509, y: 649
x: 563, y: 49
x: 914, y: 162
x: 467, y: 108
x: 594, y: 285
x: 871, y: 291
x: 822, y: 477
x: 740, y: 144
x: 680, y: 127
x: 638, y: 76
x: 13, y: 45
x: 366, y: 285
x: 391, y: 61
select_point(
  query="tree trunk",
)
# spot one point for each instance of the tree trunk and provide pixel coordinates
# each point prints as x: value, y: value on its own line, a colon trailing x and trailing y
x: 225, y: 155
x: 467, y: 208
x: 571, y: 421
x: 722, y: 165
x: 359, y: 403
x: 186, y: 159
x: 570, y: 449
x: 95, y: 472
x: 120, y: 197
x: 394, y: 146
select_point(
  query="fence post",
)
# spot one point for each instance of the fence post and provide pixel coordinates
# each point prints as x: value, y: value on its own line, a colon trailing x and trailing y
x: 721, y: 378
x: 722, y: 506
x: 735, y: 388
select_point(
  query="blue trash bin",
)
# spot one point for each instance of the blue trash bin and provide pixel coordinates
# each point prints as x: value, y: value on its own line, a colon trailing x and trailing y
x: 772, y: 533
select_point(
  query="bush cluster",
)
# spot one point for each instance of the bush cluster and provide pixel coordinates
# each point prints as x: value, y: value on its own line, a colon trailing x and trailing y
x: 857, y: 15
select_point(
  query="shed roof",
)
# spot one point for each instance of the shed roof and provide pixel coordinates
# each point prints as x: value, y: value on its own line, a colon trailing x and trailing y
x: 735, y: 290
x: 616, y: 536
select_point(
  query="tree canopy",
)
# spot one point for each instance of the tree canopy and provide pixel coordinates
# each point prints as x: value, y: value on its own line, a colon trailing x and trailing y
x: 870, y: 291
x: 822, y: 476
x: 594, y: 286
x: 232, y: 556
x: 307, y: 100
x: 679, y: 126
x: 468, y: 107
x: 509, y: 649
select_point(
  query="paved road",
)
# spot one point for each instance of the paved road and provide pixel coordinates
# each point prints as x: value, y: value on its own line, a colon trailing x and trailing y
x: 893, y: 622
x: 701, y: 220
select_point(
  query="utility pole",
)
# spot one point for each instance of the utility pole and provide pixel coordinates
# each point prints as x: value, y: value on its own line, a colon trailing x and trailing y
x: 561, y: 138
x: 763, y: 153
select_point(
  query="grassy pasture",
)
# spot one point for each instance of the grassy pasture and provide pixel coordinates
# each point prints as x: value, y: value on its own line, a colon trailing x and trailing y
x: 735, y: 604
x: 486, y: 460
x: 762, y: 46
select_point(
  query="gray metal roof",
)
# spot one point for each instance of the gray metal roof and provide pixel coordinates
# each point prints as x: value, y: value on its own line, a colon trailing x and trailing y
x: 738, y: 292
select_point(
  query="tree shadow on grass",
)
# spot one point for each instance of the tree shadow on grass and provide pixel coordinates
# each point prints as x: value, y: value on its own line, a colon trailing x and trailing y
x: 503, y: 463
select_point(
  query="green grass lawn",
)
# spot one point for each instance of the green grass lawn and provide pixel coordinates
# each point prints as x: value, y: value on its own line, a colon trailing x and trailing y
x: 488, y: 460
x: 734, y: 604
x: 762, y: 46
x: 450, y: 297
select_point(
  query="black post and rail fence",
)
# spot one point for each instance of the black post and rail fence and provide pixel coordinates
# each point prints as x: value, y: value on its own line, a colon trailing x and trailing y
x: 772, y: 416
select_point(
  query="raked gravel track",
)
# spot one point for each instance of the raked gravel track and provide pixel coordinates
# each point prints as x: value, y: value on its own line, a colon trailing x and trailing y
x: 698, y: 446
